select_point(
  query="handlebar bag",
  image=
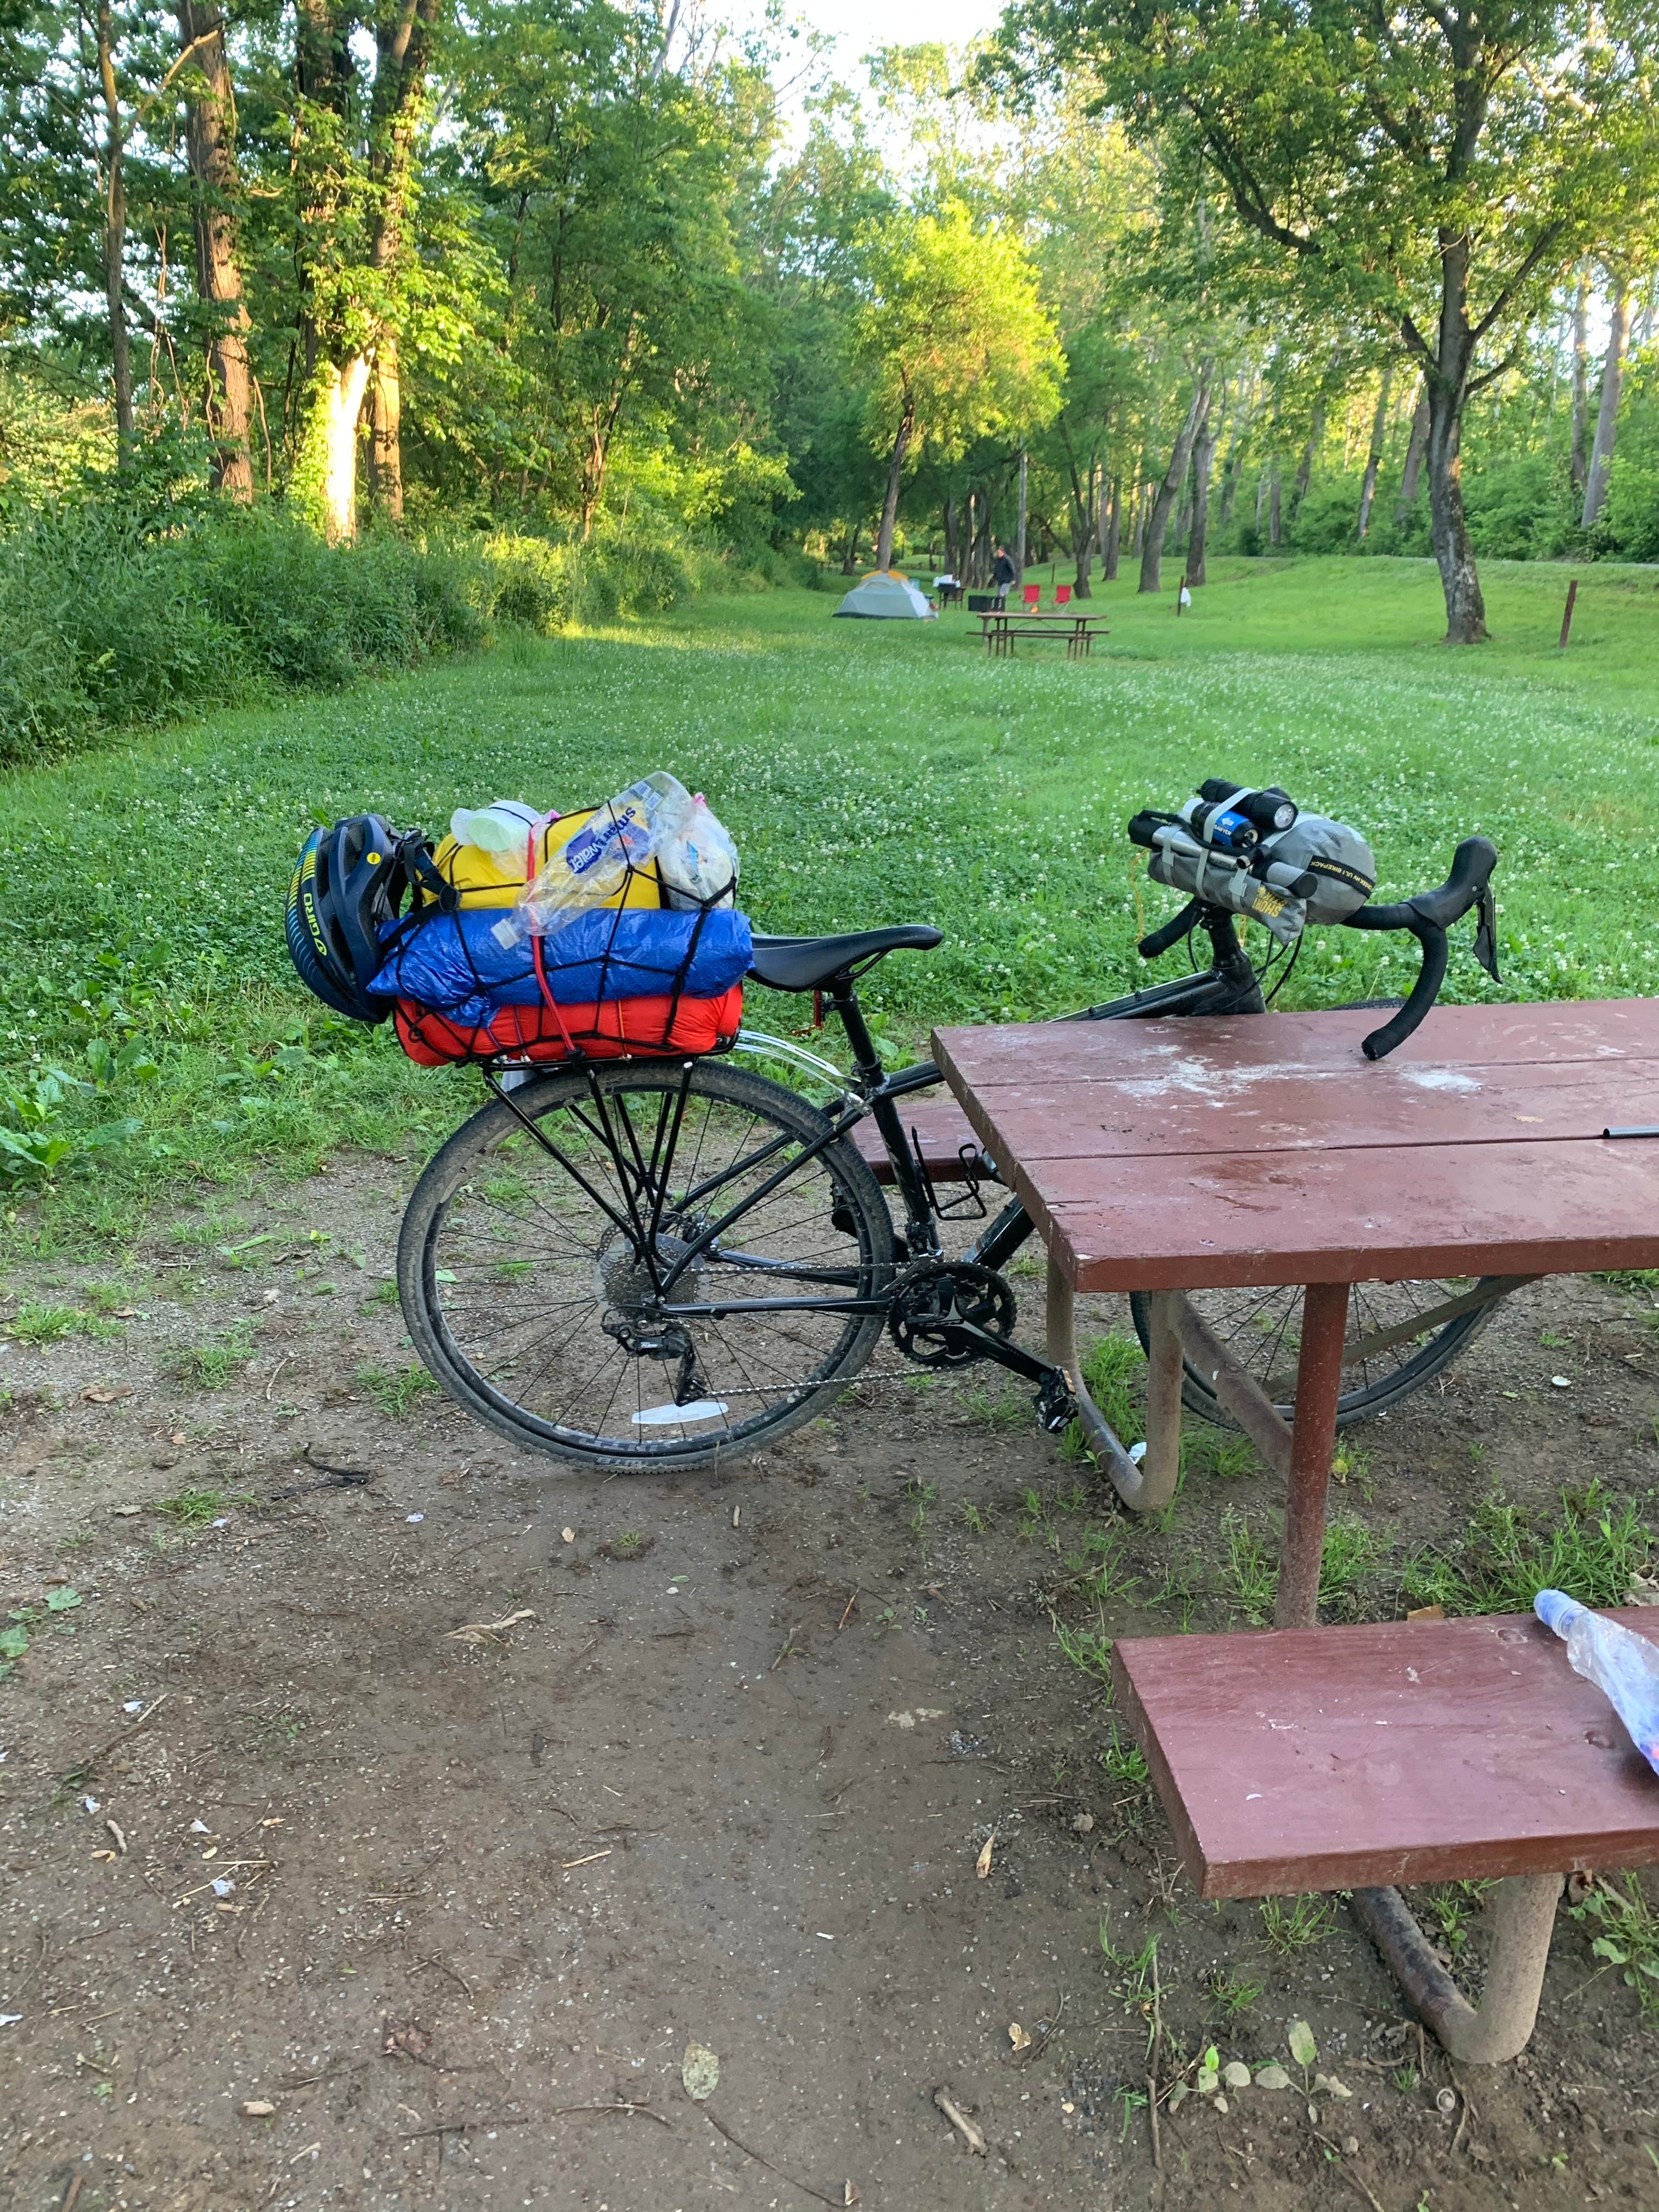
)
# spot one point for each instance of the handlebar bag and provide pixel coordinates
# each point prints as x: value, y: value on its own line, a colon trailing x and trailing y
x: 1336, y: 854
x: 1224, y: 879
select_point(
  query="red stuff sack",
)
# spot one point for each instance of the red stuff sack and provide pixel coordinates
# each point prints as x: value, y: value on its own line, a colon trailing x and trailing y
x: 613, y: 1028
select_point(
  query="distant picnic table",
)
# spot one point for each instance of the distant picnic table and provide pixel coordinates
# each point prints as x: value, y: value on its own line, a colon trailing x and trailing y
x: 1002, y: 627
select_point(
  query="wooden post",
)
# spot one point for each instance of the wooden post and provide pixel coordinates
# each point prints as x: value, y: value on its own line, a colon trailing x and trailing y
x: 1318, y: 1386
x: 1566, y: 617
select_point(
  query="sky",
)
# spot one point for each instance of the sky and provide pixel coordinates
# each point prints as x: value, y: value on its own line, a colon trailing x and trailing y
x: 860, y: 24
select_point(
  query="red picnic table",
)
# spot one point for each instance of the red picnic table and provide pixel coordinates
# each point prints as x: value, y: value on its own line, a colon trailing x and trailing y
x: 1173, y: 1156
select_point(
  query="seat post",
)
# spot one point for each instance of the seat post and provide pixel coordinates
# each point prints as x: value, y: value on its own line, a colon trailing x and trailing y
x: 920, y: 1235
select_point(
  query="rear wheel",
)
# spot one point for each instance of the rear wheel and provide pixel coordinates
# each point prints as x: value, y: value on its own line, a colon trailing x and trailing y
x: 533, y: 1267
x: 1408, y: 1345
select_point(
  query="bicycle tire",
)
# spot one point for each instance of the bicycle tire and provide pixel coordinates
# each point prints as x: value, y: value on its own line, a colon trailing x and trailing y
x: 436, y: 1281
x: 1377, y: 1394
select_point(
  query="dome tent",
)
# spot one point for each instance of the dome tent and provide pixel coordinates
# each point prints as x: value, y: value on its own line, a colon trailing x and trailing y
x: 885, y: 596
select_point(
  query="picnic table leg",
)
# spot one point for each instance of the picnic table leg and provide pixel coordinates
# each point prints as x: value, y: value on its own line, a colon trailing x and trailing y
x: 1523, y: 1918
x: 1313, y: 1438
x: 1147, y: 1484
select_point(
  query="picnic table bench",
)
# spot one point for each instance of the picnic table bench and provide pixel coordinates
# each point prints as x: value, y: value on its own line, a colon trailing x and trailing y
x: 1359, y: 1759
x: 1000, y: 627
x: 1165, y: 1156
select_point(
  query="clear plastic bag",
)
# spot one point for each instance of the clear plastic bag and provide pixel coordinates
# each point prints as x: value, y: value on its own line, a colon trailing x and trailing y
x: 697, y: 862
x: 591, y: 867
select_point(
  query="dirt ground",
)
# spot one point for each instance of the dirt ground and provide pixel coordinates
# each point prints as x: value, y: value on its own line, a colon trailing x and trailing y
x: 309, y: 1901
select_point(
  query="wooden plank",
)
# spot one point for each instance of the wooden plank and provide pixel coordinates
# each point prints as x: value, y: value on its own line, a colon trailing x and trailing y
x: 1336, y: 1758
x: 1383, y: 1215
x: 1452, y: 1036
x: 943, y: 1128
x: 1267, y: 1109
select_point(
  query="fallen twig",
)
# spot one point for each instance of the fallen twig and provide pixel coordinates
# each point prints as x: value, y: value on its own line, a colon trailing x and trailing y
x: 588, y: 1861
x: 85, y: 1766
x: 1345, y: 2170
x: 960, y: 2121
x: 465, y: 2127
x: 721, y: 2128
x: 1151, y: 2066
x: 617, y: 2104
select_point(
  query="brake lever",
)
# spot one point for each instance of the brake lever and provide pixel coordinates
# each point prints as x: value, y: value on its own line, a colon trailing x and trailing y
x: 1486, y: 932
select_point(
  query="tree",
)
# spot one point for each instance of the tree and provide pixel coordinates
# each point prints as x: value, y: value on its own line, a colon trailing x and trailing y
x: 955, y: 341
x: 1606, y: 418
x: 1169, y: 489
x: 1429, y: 168
x: 210, y: 143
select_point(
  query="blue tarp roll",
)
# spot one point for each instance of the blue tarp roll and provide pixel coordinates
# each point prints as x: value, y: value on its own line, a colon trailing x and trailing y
x: 454, y: 963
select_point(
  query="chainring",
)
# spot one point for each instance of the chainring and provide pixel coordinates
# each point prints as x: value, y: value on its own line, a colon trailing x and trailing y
x: 930, y: 1296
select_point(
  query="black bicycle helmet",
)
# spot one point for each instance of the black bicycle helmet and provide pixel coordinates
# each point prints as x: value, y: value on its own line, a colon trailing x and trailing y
x: 348, y: 884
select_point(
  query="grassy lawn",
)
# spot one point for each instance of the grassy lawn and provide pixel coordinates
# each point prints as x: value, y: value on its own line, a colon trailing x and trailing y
x: 871, y: 772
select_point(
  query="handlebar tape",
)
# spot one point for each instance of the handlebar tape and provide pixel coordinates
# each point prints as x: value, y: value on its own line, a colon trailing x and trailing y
x: 1428, y: 915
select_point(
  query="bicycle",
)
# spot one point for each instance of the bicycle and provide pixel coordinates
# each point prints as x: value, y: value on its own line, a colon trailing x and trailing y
x: 576, y: 1259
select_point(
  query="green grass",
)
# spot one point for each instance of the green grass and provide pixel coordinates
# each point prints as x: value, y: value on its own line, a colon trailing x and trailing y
x: 396, y: 1390
x: 1592, y: 1549
x: 196, y: 1508
x: 1296, y: 1923
x: 216, y: 1363
x: 869, y: 772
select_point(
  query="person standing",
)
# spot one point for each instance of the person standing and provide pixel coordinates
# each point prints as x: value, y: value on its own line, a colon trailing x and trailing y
x: 1003, y: 574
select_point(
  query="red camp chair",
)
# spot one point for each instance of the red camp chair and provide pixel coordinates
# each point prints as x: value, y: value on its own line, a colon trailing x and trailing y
x: 1033, y: 594
x: 1062, y: 595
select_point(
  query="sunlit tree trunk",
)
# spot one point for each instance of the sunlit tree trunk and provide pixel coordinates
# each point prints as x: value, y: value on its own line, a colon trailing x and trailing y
x: 1373, y: 456
x: 1175, y: 476
x: 1580, y: 377
x: 115, y: 235
x: 1607, y: 420
x: 339, y: 398
x: 895, y: 472
x: 1203, y: 460
x: 211, y: 148
x: 386, y: 463
x: 1416, y: 446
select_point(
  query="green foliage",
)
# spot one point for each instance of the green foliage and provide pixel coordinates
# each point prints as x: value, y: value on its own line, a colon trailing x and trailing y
x: 1592, y: 1549
x: 1629, y: 1938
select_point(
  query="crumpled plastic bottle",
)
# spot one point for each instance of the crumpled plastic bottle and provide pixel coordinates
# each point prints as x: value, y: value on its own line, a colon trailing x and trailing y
x: 591, y: 866
x: 698, y: 862
x: 1623, y: 1664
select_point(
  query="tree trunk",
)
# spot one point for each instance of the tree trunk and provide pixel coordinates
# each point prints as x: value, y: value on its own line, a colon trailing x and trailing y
x: 386, y: 466
x: 1113, y: 533
x: 210, y: 147
x: 1203, y: 460
x: 849, y: 559
x: 402, y: 43
x: 1607, y: 420
x: 1275, y: 505
x: 1175, y: 476
x: 1416, y: 446
x: 115, y: 236
x: 1374, y: 456
x: 1580, y: 377
x: 339, y: 401
x: 1019, y: 529
x: 1304, y: 466
x: 1465, y: 610
x: 894, y: 470
x: 951, y: 568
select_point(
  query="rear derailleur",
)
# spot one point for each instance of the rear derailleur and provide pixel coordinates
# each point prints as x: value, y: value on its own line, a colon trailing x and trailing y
x: 644, y: 1339
x: 949, y: 1312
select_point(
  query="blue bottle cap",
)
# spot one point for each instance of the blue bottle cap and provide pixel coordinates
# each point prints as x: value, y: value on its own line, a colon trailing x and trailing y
x: 1556, y: 1610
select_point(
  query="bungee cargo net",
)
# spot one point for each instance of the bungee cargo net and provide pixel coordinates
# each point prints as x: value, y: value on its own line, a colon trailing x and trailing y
x: 610, y: 932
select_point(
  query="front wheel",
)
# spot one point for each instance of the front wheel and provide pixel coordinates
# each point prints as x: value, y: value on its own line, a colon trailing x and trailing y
x: 1399, y: 1338
x: 539, y: 1267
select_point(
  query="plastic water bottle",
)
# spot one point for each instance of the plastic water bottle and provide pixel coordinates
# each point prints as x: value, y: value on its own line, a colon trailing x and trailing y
x: 1615, y: 1658
x: 591, y: 867
x: 502, y: 827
